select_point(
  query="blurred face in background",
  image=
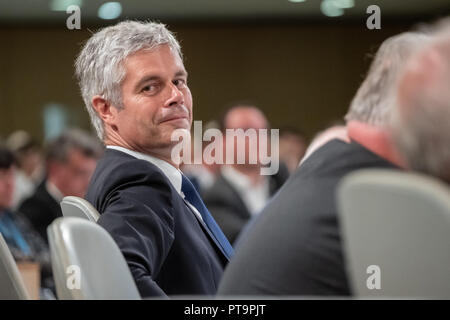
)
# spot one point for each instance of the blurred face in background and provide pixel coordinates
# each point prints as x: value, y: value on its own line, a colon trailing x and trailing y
x: 72, y: 176
x: 6, y: 187
x: 32, y: 163
x: 246, y: 118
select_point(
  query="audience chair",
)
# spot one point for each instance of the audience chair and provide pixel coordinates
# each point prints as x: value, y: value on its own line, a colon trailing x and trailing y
x: 396, y: 234
x: 77, y: 207
x: 87, y: 263
x: 12, y: 286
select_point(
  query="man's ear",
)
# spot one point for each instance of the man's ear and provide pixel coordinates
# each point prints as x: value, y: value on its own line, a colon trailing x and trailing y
x: 105, y: 110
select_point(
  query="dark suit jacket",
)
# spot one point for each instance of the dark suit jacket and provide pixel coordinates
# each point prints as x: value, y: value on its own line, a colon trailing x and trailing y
x: 228, y: 208
x: 167, y: 248
x: 294, y: 246
x: 41, y: 209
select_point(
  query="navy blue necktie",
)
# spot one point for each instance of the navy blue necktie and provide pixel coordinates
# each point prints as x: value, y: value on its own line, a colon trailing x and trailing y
x: 191, y: 195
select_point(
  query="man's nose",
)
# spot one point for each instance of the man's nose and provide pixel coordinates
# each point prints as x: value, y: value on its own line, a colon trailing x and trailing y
x: 176, y: 96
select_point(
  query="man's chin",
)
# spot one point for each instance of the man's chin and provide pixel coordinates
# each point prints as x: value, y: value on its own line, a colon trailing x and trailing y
x: 179, y: 123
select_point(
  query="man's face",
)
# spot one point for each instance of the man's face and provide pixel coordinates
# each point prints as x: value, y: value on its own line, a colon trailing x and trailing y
x: 6, y: 187
x: 72, y: 177
x: 156, y: 100
x: 246, y: 118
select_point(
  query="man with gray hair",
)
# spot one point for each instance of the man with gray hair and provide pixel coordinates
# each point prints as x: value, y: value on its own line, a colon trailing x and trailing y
x: 421, y: 121
x: 134, y: 85
x: 70, y: 163
x: 294, y: 246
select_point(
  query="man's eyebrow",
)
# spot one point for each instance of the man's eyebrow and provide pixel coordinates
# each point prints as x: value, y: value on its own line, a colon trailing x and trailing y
x: 150, y: 77
x: 181, y: 73
x: 146, y: 79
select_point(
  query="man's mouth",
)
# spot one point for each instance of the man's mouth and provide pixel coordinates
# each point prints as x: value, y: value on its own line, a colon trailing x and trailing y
x: 174, y: 118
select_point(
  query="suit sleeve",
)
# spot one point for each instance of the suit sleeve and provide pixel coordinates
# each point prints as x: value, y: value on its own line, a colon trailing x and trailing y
x: 140, y: 220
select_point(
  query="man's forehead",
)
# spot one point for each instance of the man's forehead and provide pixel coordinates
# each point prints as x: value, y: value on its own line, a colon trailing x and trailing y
x: 160, y: 55
x: 246, y: 116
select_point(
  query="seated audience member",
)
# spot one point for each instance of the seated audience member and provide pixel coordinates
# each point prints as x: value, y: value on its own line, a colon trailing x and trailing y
x: 421, y: 123
x: 134, y: 85
x: 23, y: 241
x: 292, y: 147
x: 294, y: 246
x: 240, y: 191
x: 70, y: 162
x: 30, y: 165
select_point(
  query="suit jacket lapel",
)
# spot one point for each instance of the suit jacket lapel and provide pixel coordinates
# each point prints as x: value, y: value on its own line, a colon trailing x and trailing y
x: 206, y: 229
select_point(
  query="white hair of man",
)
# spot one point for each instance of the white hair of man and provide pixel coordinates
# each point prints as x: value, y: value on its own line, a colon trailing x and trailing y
x: 420, y: 124
x: 374, y: 99
x: 99, y: 66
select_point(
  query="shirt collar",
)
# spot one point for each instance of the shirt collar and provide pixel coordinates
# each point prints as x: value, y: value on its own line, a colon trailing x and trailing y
x: 172, y: 173
x: 54, y: 191
x: 236, y: 178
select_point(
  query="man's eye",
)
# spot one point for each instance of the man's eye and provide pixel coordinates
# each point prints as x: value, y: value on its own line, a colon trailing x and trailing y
x: 180, y: 83
x: 148, y: 88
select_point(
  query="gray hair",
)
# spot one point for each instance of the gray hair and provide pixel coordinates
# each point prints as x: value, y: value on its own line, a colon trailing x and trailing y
x: 420, y: 124
x: 374, y: 99
x: 99, y: 66
x: 73, y: 139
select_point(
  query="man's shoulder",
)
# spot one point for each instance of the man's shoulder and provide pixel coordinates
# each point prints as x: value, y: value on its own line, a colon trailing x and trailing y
x: 116, y: 165
x: 113, y: 159
x: 314, y: 183
x: 120, y: 174
x: 337, y: 158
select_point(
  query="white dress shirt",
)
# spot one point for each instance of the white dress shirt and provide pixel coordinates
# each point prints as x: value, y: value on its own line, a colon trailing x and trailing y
x: 254, y: 196
x: 172, y: 173
x: 54, y: 191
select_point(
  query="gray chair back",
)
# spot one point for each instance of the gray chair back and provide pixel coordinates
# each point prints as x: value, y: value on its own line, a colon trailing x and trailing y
x: 72, y: 206
x: 87, y: 263
x: 12, y: 286
x: 396, y: 234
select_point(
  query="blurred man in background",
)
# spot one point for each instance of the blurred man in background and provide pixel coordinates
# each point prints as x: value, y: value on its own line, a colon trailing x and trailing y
x: 30, y: 165
x: 421, y: 125
x: 294, y: 248
x: 70, y: 161
x: 240, y: 191
x: 25, y: 244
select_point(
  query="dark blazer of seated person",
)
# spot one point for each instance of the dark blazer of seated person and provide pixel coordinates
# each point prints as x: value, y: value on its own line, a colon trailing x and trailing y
x: 166, y: 246
x: 294, y: 246
x: 41, y: 209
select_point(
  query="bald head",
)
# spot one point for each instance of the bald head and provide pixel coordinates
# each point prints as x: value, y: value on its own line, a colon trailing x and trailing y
x: 245, y: 117
x: 421, y: 129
